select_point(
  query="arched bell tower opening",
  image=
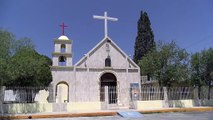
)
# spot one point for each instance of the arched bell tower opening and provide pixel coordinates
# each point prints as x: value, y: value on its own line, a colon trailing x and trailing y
x: 108, y: 88
x: 63, y: 48
x: 62, y: 61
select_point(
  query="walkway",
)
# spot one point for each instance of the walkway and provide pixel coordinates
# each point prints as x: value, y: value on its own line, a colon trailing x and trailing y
x: 202, y: 110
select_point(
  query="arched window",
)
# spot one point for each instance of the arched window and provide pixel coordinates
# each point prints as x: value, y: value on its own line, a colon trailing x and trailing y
x: 108, y: 62
x: 63, y: 48
x: 62, y: 61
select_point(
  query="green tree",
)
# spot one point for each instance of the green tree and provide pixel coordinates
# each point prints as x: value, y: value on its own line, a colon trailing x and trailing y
x: 28, y: 68
x: 168, y: 64
x: 202, y: 68
x: 20, y: 64
x: 196, y: 72
x: 19, y: 44
x: 145, y: 39
x: 6, y: 40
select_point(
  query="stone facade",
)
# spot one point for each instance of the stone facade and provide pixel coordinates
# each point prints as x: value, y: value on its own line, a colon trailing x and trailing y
x: 84, y: 80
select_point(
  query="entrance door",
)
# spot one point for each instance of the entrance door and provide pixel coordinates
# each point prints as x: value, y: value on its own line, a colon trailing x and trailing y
x: 62, y: 92
x: 109, y: 87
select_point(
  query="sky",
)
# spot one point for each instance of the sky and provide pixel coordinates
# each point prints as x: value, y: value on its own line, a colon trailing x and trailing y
x: 187, y: 22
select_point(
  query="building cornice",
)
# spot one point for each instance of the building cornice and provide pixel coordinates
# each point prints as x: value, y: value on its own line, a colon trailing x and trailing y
x: 61, y: 68
x: 57, y: 54
x: 57, y: 41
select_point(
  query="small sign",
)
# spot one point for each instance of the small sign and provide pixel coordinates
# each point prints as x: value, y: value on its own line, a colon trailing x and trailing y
x: 134, y: 85
x: 134, y: 91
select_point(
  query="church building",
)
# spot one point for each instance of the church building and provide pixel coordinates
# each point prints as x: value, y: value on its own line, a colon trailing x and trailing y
x: 105, y: 75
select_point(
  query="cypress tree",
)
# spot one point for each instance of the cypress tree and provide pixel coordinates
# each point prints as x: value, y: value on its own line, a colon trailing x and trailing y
x: 145, y: 39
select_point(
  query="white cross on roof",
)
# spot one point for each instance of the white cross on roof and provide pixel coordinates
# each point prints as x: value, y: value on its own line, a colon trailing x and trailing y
x: 105, y: 17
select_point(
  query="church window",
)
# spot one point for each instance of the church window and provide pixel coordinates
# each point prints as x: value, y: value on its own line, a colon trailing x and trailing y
x: 108, y: 62
x: 63, y: 48
x: 62, y: 61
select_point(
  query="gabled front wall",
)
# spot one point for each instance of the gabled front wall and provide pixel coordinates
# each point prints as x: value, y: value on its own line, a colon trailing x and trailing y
x: 96, y: 58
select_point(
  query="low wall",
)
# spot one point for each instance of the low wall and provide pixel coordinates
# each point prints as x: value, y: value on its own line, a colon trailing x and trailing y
x: 181, y: 103
x: 83, y: 106
x: 16, y: 108
x: 190, y: 103
x: 154, y: 104
x: 203, y: 102
x: 21, y: 108
x: 159, y: 104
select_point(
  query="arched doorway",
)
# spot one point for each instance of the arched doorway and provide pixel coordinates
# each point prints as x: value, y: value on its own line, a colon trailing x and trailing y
x: 108, y: 88
x: 62, y: 92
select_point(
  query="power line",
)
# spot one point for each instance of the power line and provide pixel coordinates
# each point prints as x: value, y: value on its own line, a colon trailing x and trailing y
x: 194, y: 44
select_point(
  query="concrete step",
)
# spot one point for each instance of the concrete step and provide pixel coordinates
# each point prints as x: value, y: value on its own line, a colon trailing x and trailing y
x: 130, y: 114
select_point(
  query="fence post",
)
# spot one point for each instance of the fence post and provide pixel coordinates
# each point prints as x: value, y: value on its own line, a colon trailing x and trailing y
x: 165, y: 98
x: 2, y: 89
x: 51, y: 94
x: 196, y: 96
x: 106, y: 95
x: 196, y: 93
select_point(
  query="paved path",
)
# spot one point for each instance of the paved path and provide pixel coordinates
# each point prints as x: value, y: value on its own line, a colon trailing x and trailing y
x: 200, y: 113
x: 156, y: 116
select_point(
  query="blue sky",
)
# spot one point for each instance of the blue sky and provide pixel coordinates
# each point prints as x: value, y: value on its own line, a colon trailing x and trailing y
x: 188, y: 22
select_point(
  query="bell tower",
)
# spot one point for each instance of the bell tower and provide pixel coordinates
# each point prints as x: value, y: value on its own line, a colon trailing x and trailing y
x: 62, y: 55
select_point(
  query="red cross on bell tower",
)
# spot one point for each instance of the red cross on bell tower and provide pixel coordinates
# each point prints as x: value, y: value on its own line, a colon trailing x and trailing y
x: 62, y: 27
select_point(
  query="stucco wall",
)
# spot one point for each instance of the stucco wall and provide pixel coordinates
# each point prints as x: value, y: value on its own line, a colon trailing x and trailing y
x: 23, y: 108
x: 96, y: 57
x: 27, y: 108
x: 64, y: 76
x: 158, y: 104
x: 181, y: 103
x: 83, y: 106
x: 88, y: 85
x: 84, y: 86
x: 154, y: 104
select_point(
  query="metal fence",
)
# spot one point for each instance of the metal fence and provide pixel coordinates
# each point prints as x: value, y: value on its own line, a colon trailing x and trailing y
x: 175, y: 93
x: 111, y: 93
x: 151, y: 93
x: 205, y: 92
x: 22, y: 94
x: 148, y: 93
x: 180, y: 93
